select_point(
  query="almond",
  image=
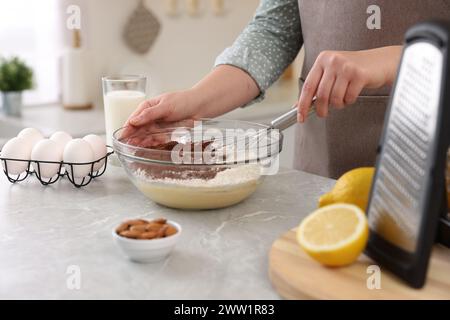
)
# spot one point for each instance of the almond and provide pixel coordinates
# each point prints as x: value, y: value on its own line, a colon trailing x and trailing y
x: 160, y: 221
x: 152, y: 226
x: 162, y: 231
x: 123, y: 226
x: 170, y: 231
x: 148, y: 235
x: 139, y: 228
x: 136, y: 222
x: 130, y: 234
x: 146, y: 230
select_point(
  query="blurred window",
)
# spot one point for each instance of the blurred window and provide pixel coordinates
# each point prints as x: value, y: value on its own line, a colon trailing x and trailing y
x: 28, y: 29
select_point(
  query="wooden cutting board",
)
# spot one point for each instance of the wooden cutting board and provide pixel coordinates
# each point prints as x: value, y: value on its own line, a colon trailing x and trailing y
x: 296, y: 276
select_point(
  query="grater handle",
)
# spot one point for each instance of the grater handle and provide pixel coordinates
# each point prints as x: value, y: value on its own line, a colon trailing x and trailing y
x: 290, y: 118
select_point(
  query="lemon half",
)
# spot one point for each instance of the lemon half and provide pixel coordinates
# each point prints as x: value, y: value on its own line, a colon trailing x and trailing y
x: 334, y: 235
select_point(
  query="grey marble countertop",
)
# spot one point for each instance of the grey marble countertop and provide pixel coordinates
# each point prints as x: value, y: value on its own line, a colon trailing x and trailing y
x: 222, y: 254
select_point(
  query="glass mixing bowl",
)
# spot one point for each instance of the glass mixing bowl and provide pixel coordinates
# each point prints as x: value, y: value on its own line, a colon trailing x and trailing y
x: 188, y: 167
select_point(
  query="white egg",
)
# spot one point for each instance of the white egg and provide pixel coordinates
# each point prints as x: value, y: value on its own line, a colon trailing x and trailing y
x: 16, y: 148
x: 46, y: 150
x: 32, y: 135
x: 99, y: 147
x: 78, y: 151
x: 61, y: 138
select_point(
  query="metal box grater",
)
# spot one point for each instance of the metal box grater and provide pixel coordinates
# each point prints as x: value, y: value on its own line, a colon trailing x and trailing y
x: 408, y: 191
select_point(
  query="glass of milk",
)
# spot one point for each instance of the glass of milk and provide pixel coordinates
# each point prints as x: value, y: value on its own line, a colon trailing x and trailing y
x: 121, y: 96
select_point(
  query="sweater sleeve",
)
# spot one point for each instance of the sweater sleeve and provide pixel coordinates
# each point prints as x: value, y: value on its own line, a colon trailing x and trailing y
x: 268, y: 44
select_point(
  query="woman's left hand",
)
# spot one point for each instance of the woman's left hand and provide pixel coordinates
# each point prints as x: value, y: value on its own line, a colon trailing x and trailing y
x: 338, y: 77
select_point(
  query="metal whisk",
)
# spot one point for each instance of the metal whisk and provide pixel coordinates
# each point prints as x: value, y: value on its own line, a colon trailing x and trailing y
x: 289, y: 118
x: 281, y: 123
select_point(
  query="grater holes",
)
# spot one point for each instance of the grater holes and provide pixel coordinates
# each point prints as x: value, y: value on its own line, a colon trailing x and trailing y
x: 398, y: 189
x: 417, y: 135
x: 411, y: 124
x: 417, y: 151
x: 405, y: 157
x: 401, y: 215
x: 384, y: 204
x: 410, y: 107
x: 410, y: 180
x: 417, y: 83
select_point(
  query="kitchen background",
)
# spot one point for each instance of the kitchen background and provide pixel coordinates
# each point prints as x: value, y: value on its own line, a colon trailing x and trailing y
x: 183, y: 52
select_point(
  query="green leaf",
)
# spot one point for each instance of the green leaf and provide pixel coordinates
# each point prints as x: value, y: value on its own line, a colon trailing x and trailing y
x: 15, y: 75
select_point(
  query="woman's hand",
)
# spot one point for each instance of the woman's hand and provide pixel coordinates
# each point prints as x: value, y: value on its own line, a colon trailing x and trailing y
x: 222, y: 90
x: 338, y: 77
x: 159, y: 111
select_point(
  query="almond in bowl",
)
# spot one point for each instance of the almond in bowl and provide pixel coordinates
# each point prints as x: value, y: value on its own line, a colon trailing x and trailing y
x: 146, y: 230
x: 147, y: 241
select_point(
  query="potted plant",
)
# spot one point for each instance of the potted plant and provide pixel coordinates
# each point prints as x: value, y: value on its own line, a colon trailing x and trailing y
x: 15, y: 77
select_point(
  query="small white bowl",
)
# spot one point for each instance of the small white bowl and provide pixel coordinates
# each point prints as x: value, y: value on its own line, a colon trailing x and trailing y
x: 151, y: 250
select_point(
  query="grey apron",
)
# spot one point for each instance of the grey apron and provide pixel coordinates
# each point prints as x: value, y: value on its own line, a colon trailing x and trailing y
x: 348, y: 138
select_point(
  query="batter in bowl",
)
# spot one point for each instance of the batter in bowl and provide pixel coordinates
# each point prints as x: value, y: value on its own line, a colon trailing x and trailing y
x: 228, y: 187
x: 189, y: 185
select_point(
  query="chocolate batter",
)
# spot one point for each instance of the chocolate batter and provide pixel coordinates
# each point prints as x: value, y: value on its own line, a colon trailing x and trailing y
x: 181, y: 172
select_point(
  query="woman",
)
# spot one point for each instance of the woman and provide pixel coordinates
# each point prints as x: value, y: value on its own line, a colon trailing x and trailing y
x: 349, y: 66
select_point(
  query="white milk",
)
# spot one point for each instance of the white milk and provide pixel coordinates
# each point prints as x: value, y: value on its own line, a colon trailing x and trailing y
x: 119, y: 105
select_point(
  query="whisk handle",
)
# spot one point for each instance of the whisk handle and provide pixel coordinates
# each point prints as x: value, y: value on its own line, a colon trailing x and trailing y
x: 285, y: 120
x: 289, y: 118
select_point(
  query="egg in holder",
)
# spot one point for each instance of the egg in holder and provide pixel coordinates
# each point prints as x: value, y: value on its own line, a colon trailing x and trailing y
x: 68, y: 169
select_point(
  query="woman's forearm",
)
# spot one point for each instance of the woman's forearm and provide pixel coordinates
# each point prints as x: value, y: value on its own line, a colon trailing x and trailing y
x: 222, y: 90
x: 393, y: 61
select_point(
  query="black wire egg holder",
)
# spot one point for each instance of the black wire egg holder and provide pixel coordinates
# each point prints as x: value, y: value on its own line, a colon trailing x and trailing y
x: 62, y: 171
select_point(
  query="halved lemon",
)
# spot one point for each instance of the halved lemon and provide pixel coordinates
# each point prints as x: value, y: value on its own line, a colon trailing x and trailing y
x: 334, y: 235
